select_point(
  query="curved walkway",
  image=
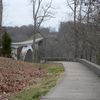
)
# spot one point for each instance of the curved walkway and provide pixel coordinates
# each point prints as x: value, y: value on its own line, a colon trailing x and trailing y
x: 79, y: 83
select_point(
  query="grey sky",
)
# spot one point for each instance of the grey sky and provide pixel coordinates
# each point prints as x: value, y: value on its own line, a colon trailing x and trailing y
x: 19, y: 12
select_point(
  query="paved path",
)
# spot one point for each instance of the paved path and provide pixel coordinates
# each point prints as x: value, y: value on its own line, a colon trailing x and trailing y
x: 79, y: 83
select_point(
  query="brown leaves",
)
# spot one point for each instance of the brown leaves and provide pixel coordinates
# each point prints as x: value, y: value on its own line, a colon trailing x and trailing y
x: 15, y: 75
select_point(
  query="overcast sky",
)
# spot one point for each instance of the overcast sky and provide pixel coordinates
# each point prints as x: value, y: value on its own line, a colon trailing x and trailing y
x: 19, y: 12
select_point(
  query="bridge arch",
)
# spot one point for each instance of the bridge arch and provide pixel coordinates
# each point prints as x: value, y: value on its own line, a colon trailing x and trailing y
x: 26, y: 51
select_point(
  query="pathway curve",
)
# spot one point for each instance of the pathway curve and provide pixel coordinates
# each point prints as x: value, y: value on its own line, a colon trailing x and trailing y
x: 79, y: 83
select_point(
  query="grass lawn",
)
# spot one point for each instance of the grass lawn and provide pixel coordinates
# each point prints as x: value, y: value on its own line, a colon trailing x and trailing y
x: 42, y: 85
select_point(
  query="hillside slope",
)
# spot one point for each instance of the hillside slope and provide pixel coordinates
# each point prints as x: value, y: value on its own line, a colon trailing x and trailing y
x: 15, y: 75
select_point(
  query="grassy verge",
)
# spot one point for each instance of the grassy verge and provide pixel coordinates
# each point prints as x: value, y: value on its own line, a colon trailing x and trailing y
x: 43, y: 85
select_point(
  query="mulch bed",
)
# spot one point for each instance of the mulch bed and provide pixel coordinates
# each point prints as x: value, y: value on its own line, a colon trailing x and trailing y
x: 16, y: 75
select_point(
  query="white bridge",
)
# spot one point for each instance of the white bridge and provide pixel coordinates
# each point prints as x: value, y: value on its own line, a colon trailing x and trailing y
x: 23, y: 50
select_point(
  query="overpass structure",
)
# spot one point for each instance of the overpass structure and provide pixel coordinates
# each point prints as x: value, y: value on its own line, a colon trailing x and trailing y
x: 22, y: 49
x: 81, y: 82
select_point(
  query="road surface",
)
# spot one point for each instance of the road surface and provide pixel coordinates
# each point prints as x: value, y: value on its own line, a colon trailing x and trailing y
x: 79, y: 83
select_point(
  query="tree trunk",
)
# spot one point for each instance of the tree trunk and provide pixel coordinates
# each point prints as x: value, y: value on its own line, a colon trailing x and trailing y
x: 1, y: 12
x: 75, y: 28
x: 34, y: 32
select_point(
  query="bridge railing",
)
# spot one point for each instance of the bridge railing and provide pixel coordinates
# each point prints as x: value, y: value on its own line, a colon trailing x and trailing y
x: 94, y: 67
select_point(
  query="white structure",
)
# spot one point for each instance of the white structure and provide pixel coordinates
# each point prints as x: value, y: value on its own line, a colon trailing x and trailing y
x: 24, y: 52
x: 21, y: 48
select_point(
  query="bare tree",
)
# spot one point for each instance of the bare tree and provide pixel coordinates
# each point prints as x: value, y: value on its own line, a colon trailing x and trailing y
x: 1, y: 12
x: 90, y: 40
x: 74, y: 4
x: 41, y: 12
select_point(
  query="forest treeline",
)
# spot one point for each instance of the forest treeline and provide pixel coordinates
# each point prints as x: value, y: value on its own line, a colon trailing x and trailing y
x: 78, y: 38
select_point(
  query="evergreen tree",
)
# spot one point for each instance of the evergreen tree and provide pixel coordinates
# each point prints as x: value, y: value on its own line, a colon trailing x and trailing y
x: 6, y: 45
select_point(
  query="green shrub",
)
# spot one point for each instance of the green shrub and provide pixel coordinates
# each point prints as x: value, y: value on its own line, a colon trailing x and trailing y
x: 6, y: 45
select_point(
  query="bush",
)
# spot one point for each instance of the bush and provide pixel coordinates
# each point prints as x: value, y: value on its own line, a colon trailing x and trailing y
x: 6, y: 45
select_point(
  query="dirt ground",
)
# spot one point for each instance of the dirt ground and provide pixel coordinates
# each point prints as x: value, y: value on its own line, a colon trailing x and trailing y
x: 16, y: 75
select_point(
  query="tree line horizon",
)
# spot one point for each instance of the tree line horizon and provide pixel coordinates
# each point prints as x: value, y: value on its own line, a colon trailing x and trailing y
x: 84, y: 30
